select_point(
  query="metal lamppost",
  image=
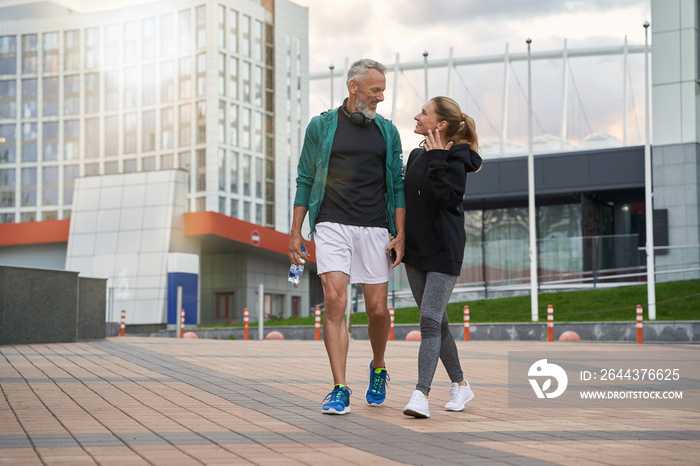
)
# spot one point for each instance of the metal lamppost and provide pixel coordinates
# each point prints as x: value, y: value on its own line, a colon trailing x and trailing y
x: 648, y: 193
x: 425, y: 70
x: 531, y: 194
x: 331, y: 67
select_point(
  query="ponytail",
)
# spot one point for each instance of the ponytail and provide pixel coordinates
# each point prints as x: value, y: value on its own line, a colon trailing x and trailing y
x: 461, y: 128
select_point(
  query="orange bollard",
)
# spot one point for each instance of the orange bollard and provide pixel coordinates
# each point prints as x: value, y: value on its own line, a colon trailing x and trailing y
x: 640, y: 333
x: 550, y: 323
x: 246, y: 324
x: 182, y: 323
x: 391, y: 329
x: 317, y: 324
x: 122, y: 325
x: 466, y: 323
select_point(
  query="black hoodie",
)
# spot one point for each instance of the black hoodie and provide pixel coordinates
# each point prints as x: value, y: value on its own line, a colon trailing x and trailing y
x: 435, y: 182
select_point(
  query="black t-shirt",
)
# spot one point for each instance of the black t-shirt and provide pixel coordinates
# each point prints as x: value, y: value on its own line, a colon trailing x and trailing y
x: 356, y: 180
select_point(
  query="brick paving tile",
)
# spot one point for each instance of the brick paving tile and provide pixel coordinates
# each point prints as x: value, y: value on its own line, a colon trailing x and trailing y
x: 156, y: 401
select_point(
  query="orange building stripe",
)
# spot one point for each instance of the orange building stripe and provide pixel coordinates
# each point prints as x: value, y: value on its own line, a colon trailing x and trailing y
x: 47, y: 231
x: 212, y: 223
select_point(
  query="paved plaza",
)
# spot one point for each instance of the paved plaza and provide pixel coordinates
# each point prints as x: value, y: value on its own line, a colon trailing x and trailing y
x: 166, y: 401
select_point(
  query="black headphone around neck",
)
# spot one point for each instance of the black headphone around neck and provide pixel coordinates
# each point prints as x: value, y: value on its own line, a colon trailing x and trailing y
x: 356, y: 118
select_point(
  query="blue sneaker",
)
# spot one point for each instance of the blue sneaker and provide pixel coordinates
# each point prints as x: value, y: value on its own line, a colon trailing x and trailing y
x: 376, y: 390
x: 338, y: 400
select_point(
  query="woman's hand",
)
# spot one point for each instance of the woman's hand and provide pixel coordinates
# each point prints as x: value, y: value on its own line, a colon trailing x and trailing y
x: 434, y: 142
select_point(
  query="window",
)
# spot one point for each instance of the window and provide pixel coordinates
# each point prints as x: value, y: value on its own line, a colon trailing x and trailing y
x: 258, y: 177
x: 70, y: 173
x: 50, y: 96
x: 29, y: 140
x: 130, y: 133
x: 245, y: 74
x: 92, y: 169
x: 246, y: 177
x: 8, y: 93
x: 185, y: 78
x: 201, y: 170
x: 92, y: 48
x: 221, y: 128
x: 184, y: 31
x: 131, y: 39
x: 167, y: 82
x: 233, y: 31
x: 185, y: 138
x: 112, y: 49
x: 92, y: 92
x: 111, y: 137
x: 71, y: 93
x: 71, y: 139
x: 92, y: 138
x: 258, y: 86
x: 148, y: 83
x: 166, y: 162
x: 222, y: 169
x: 112, y: 90
x: 233, y: 125
x: 8, y: 55
x: 149, y: 164
x: 166, y: 131
x: 221, y: 22
x: 221, y: 78
x: 257, y: 40
x: 201, y: 12
x: 72, y: 51
x: 201, y: 74
x: 148, y: 124
x: 49, y: 185
x: 29, y: 98
x: 130, y: 166
x: 148, y: 39
x: 245, y: 131
x: 201, y: 122
x: 167, y: 35
x: 29, y: 54
x: 233, y: 78
x: 245, y: 35
x: 130, y: 83
x: 50, y: 133
x: 7, y: 187
x: 258, y: 132
x: 234, y: 208
x: 233, y: 172
x: 28, y: 196
x: 111, y: 168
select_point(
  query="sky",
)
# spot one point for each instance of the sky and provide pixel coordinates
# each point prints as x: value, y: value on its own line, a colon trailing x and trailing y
x: 341, y: 30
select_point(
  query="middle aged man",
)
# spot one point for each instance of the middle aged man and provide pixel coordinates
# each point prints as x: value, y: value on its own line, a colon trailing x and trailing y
x: 350, y: 182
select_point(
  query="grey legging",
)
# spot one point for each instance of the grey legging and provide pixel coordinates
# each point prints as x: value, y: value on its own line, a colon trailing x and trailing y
x: 432, y: 291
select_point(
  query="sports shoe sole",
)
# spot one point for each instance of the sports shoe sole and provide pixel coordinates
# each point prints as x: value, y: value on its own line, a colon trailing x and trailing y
x: 411, y: 412
x: 333, y: 411
x: 465, y: 403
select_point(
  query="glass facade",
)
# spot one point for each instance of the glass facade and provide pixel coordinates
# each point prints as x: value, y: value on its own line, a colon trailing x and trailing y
x: 86, y: 99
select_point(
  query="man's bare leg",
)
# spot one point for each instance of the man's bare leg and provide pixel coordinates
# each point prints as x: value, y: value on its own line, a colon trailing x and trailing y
x: 379, y: 321
x: 335, y: 335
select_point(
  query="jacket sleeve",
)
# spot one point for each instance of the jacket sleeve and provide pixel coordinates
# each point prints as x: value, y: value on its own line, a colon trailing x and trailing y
x: 397, y: 170
x: 447, y: 178
x: 306, y: 169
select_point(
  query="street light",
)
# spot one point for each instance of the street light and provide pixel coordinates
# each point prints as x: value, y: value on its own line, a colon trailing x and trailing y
x: 648, y: 193
x: 531, y: 194
x: 425, y: 69
x: 331, y: 67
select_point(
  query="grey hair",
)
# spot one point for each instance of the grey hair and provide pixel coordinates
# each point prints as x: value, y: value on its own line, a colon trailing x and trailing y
x: 360, y: 68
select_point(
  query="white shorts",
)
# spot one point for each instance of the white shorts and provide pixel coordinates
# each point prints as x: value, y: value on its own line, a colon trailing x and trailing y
x: 359, y: 252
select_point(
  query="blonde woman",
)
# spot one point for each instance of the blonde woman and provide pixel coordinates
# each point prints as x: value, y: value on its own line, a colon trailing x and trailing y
x: 435, y: 183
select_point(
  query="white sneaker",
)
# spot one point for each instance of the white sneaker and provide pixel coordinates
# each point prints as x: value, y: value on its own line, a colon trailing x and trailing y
x: 460, y: 395
x: 417, y: 406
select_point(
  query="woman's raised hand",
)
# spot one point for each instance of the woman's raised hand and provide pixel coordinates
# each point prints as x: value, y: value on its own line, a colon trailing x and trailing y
x: 434, y: 142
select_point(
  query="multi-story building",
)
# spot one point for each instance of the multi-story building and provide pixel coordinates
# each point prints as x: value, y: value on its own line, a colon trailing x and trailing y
x: 215, y: 88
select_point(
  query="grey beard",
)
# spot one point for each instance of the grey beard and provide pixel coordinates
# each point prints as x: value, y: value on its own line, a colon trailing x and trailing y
x: 363, y: 107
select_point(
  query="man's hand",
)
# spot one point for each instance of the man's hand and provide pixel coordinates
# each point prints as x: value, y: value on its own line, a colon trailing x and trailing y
x: 397, y: 245
x: 296, y: 242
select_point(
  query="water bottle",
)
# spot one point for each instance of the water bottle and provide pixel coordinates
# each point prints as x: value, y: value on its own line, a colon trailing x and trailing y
x: 295, y: 271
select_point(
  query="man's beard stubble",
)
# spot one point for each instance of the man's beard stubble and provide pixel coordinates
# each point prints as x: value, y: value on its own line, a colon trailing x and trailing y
x: 364, y: 109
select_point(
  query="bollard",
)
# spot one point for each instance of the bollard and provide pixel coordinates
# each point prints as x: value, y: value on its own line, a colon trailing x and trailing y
x: 122, y: 325
x: 317, y: 324
x: 640, y: 335
x: 182, y: 323
x: 466, y: 323
x: 391, y: 329
x: 550, y: 323
x: 246, y: 328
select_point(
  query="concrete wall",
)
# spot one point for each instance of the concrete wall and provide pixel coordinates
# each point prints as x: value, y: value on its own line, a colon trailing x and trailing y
x: 50, y: 306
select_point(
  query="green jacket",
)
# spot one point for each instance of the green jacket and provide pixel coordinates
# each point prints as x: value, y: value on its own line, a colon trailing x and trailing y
x: 313, y: 165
